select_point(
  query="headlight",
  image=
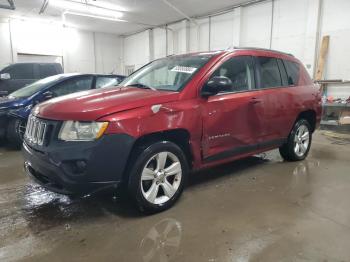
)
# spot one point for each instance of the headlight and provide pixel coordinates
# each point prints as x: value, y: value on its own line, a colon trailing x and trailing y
x: 82, y: 131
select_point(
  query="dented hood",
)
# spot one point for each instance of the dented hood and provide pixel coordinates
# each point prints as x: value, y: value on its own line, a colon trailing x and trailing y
x: 94, y: 104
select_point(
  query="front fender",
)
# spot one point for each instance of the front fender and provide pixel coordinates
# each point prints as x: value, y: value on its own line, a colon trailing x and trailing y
x: 185, y: 115
x: 22, y: 112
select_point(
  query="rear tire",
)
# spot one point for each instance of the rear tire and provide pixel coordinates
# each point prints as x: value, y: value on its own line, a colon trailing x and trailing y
x: 15, y: 132
x: 299, y: 142
x: 157, y: 177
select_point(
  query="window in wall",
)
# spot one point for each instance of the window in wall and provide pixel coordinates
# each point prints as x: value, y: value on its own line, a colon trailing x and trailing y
x: 241, y: 72
x: 269, y: 73
x: 72, y: 85
x: 292, y: 69
x: 129, y: 69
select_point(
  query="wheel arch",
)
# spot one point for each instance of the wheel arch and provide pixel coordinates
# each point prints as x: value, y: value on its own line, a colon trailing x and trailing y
x: 310, y: 116
x: 180, y: 137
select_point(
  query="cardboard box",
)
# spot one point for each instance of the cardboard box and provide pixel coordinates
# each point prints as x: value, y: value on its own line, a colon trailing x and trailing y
x: 344, y: 118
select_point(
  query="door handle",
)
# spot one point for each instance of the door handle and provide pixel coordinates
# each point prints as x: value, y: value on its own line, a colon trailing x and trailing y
x: 255, y: 100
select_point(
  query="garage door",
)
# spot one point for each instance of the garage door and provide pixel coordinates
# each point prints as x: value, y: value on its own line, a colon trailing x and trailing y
x: 31, y: 58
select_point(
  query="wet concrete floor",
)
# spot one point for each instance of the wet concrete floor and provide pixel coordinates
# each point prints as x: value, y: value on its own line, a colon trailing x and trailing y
x: 256, y: 209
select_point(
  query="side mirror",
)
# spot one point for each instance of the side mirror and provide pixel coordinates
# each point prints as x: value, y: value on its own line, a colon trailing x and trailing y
x: 48, y: 95
x: 5, y: 76
x: 215, y: 85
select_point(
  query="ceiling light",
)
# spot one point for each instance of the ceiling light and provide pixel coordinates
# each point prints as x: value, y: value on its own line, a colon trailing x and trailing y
x: 83, y: 8
x: 92, y: 16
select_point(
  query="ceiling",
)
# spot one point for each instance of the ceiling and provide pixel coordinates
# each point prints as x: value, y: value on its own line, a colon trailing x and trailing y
x: 138, y: 14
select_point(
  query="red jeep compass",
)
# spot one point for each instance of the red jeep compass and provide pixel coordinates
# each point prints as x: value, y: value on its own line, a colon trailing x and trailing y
x: 171, y: 116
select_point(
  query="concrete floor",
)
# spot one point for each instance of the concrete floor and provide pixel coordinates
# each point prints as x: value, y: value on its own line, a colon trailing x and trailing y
x: 257, y: 209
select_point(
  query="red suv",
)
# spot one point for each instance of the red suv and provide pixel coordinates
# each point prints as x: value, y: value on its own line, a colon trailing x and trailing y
x: 173, y: 115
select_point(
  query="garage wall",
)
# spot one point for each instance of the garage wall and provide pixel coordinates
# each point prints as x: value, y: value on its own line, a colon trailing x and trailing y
x: 81, y: 51
x: 159, y: 43
x: 295, y: 26
x: 221, y: 32
x: 137, y: 50
x: 336, y: 23
x: 255, y: 27
x: 5, y: 49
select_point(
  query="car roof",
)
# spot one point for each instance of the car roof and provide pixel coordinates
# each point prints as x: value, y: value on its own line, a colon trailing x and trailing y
x: 86, y: 74
x: 35, y: 63
x: 235, y: 49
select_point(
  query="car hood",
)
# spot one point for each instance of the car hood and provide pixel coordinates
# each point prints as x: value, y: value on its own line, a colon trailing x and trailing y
x: 94, y: 104
x: 11, y: 103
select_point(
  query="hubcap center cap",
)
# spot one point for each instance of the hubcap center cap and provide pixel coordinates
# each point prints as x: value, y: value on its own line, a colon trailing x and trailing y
x: 160, y: 176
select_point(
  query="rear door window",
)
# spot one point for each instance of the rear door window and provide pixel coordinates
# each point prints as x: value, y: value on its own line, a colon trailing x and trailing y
x: 72, y: 85
x: 21, y: 71
x: 293, y: 70
x: 269, y: 72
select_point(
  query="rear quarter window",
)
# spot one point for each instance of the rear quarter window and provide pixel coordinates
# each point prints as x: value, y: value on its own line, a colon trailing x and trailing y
x: 293, y: 72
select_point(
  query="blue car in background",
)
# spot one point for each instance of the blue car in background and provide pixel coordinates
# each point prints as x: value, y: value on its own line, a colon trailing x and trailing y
x: 16, y: 107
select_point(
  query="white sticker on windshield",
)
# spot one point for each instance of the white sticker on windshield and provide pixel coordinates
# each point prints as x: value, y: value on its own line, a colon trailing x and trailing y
x: 184, y: 69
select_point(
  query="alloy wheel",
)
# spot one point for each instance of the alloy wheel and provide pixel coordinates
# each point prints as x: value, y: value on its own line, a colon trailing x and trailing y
x: 161, y: 177
x: 301, y: 140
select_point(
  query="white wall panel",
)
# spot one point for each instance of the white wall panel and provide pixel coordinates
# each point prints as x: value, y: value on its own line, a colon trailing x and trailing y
x: 256, y: 25
x: 79, y: 51
x: 5, y: 43
x: 336, y: 24
x: 199, y: 35
x: 159, y: 42
x: 221, y: 31
x: 108, y: 53
x: 289, y: 28
x: 137, y: 51
x: 204, y: 35
x: 178, y: 38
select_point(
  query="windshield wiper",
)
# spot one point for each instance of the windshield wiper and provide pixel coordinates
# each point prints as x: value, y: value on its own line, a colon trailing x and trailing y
x: 139, y: 85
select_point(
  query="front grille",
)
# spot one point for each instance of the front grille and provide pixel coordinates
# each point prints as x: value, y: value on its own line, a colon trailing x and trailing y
x: 35, y: 131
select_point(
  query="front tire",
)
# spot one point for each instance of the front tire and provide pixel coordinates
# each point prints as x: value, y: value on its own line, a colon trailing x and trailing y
x: 15, y: 132
x: 298, y: 144
x: 157, y: 177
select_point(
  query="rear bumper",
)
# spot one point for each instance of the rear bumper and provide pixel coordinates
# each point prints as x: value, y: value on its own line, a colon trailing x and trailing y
x: 79, y: 168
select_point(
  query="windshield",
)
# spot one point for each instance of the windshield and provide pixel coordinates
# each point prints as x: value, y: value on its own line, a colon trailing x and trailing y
x: 2, y: 67
x: 31, y: 89
x: 171, y: 73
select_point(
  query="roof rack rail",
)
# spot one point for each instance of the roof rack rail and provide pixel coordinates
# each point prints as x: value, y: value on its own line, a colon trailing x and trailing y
x: 262, y: 49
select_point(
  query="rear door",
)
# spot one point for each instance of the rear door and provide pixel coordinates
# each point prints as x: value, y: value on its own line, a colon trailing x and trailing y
x: 275, y: 100
x: 231, y: 120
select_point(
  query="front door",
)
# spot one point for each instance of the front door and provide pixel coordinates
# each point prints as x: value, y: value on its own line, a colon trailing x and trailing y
x: 231, y: 119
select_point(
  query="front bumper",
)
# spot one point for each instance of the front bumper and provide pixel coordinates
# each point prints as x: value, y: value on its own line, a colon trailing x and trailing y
x: 79, y: 168
x: 3, y: 123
